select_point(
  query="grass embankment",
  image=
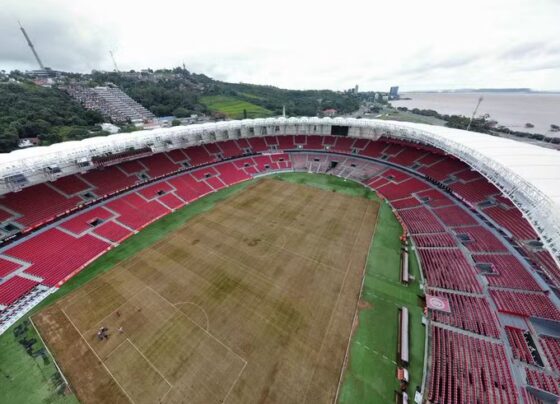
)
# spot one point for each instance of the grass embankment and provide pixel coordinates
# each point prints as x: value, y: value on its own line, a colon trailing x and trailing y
x: 234, y: 107
x: 32, y: 377
x: 370, y: 376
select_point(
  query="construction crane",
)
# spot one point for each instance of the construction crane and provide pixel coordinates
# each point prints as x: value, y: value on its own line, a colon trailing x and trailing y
x: 42, y: 67
x: 114, y: 63
x: 474, y: 112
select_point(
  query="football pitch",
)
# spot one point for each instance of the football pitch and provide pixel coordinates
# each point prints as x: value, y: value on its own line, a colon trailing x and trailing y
x: 251, y: 301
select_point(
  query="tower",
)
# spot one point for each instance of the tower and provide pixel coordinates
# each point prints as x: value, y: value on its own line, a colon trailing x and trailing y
x: 41, y: 66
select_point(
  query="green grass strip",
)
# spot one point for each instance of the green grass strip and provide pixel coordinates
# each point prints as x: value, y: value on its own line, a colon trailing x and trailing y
x: 371, y: 373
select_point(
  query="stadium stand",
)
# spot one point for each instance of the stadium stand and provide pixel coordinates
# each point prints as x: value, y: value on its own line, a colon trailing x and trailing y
x: 525, y: 304
x: 543, y: 381
x: 468, y: 313
x: 466, y: 369
x: 551, y: 348
x: 518, y: 341
x: 462, y: 259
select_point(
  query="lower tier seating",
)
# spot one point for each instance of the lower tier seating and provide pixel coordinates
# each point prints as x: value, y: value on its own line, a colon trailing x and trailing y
x: 469, y: 313
x: 468, y: 370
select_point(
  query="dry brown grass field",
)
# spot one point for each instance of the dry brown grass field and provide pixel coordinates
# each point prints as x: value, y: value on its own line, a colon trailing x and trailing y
x: 252, y: 301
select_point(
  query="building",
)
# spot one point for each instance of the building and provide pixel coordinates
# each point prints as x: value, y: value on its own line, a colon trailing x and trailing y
x: 109, y: 127
x: 394, y: 93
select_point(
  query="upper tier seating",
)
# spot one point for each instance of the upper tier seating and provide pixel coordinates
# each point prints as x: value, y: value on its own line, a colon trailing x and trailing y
x: 551, y: 347
x: 109, y: 180
x: 38, y: 204
x: 508, y: 272
x: 519, y: 346
x: 70, y: 185
x: 543, y: 381
x: 474, y: 191
x: 525, y: 304
x: 448, y: 269
x: 512, y: 220
x: 480, y: 239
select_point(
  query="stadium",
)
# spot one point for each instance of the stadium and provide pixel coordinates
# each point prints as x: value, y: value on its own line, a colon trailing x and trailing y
x: 285, y: 260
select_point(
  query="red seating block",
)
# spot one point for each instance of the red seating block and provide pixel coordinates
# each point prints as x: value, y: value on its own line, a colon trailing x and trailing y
x: 448, y: 269
x: 81, y: 222
x: 454, y: 216
x: 55, y: 255
x: 509, y: 272
x: 14, y: 288
x: 112, y: 231
x: 70, y: 185
x: 7, y: 267
x: 525, y: 304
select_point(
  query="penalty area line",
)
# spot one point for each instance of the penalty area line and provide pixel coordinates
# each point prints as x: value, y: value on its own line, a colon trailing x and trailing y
x: 97, y: 356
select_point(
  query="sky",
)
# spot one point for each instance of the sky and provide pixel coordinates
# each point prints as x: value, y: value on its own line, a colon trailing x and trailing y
x: 299, y: 44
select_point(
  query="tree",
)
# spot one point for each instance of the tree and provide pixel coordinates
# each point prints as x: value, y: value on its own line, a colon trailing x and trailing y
x: 175, y: 122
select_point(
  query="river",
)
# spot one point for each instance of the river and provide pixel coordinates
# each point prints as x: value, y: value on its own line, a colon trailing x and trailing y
x: 513, y: 110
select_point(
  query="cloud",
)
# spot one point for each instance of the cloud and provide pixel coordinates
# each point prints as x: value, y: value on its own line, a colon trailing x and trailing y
x: 61, y: 40
x: 300, y: 44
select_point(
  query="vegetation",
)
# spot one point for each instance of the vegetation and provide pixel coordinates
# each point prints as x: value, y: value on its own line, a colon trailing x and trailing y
x: 371, y: 373
x: 27, y: 110
x: 179, y: 92
x: 174, y: 94
x: 234, y: 108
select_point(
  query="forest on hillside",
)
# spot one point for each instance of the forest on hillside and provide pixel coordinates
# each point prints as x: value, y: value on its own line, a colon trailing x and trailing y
x: 27, y: 110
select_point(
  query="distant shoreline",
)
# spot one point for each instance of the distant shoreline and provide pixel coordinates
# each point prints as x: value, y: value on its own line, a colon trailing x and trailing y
x: 529, y: 112
x: 485, y: 90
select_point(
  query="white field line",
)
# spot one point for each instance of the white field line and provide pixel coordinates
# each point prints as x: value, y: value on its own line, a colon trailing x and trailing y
x: 97, y: 356
x: 336, y: 304
x: 149, y: 362
x: 206, y: 332
x: 51, y: 355
x: 356, y: 311
x: 234, y: 383
x: 202, y: 309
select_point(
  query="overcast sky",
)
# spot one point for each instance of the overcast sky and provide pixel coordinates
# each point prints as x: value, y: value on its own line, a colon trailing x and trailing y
x: 431, y: 44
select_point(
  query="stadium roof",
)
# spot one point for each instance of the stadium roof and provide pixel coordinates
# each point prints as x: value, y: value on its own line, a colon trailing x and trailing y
x: 528, y: 174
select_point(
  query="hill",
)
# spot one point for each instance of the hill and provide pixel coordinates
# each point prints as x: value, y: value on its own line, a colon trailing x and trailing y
x: 27, y: 110
x: 179, y: 92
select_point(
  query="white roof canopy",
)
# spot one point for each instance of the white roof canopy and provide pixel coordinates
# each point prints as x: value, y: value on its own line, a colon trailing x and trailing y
x: 528, y: 174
